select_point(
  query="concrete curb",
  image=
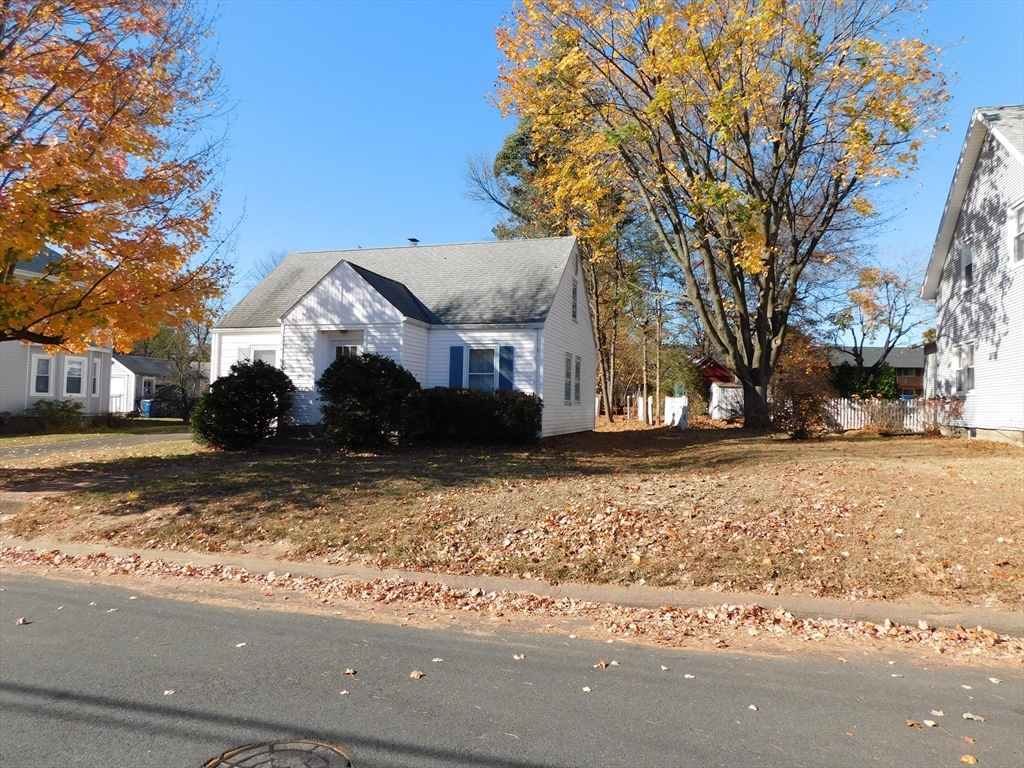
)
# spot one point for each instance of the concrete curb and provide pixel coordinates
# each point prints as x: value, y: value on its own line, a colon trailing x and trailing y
x: 1003, y: 622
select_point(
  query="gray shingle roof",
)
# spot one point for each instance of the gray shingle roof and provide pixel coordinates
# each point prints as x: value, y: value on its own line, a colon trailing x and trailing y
x: 37, y: 265
x: 1007, y: 121
x: 899, y: 357
x: 499, y: 282
x: 145, y: 366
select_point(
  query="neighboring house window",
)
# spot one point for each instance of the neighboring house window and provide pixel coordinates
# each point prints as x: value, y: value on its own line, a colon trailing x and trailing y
x: 568, y: 379
x: 575, y: 293
x: 94, y: 386
x: 268, y: 356
x: 481, y: 369
x: 576, y: 381
x: 346, y: 350
x: 42, y: 370
x: 147, y: 387
x: 965, y: 368
x: 966, y: 266
x: 1017, y: 221
x: 74, y: 375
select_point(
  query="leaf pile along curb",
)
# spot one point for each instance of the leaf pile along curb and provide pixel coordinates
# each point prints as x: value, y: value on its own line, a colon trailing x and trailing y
x: 669, y: 625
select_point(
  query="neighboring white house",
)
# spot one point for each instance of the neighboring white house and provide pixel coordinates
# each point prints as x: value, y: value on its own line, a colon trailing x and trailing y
x: 134, y: 378
x: 509, y: 314
x: 29, y: 374
x: 976, y: 279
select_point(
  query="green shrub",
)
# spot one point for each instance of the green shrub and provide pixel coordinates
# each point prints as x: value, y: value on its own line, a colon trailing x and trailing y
x: 59, y: 415
x: 244, y: 408
x: 474, y: 416
x: 363, y: 400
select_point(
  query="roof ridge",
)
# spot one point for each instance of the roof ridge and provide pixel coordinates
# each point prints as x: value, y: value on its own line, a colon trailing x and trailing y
x: 435, y: 245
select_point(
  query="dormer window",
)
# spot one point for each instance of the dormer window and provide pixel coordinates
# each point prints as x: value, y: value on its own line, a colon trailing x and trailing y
x: 966, y: 266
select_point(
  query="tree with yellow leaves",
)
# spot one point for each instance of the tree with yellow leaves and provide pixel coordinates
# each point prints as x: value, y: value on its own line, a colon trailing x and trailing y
x: 107, y: 170
x: 752, y: 131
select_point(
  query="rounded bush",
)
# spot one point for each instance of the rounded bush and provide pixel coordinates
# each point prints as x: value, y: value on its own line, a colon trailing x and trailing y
x: 362, y: 400
x: 244, y: 408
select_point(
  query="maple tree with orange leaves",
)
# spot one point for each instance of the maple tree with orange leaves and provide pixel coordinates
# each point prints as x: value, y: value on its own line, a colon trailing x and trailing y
x: 108, y: 174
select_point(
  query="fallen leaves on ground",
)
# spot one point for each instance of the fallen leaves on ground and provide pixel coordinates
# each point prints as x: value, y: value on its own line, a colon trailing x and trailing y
x: 668, y: 625
x: 969, y: 759
x: 969, y: 716
x: 416, y: 674
x: 22, y: 621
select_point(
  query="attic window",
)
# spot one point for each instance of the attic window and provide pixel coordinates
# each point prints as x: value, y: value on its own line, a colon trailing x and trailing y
x: 966, y: 266
x: 575, y: 294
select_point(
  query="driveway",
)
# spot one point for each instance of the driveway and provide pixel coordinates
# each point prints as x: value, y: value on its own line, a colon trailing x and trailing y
x: 39, y: 450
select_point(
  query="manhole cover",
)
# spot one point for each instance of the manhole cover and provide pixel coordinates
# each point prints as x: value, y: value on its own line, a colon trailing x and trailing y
x: 282, y: 754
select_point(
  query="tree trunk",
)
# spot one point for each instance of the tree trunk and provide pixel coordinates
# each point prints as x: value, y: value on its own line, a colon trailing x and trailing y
x: 755, y: 406
x: 647, y: 409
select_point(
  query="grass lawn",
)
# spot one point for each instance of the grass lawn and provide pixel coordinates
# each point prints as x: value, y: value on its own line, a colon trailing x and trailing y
x: 856, y: 517
x: 132, y: 427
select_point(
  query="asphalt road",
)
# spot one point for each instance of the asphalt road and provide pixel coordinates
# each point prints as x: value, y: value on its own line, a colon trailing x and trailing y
x: 84, y: 685
x: 38, y: 450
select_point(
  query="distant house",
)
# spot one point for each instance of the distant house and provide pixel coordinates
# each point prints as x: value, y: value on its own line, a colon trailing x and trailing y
x: 29, y: 374
x: 725, y: 393
x: 975, y: 277
x: 134, y: 378
x: 509, y: 314
x: 908, y: 362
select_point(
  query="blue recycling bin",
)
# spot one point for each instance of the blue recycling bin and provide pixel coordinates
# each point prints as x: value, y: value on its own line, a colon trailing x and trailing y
x: 146, y: 406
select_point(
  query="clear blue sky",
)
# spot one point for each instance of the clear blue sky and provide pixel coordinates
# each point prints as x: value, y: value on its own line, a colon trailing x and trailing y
x: 354, y: 119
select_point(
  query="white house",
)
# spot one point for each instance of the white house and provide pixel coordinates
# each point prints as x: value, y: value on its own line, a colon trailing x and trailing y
x: 134, y: 378
x: 28, y: 373
x: 975, y: 277
x: 509, y: 314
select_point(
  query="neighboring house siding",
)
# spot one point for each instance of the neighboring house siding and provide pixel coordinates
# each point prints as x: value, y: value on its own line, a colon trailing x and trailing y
x: 14, y: 362
x: 415, y: 349
x: 991, y: 312
x: 16, y: 378
x: 562, y: 335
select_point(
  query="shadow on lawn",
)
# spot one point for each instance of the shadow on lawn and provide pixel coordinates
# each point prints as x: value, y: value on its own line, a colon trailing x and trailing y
x: 256, y: 484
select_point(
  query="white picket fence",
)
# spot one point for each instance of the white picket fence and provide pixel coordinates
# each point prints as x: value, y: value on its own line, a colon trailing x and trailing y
x: 907, y: 416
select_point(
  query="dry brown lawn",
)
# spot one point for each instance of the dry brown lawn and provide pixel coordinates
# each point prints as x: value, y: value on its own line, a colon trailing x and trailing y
x: 857, y: 517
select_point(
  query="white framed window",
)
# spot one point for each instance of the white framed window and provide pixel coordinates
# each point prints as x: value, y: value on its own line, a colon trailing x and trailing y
x: 965, y: 367
x: 268, y: 356
x: 148, y: 386
x: 575, y: 298
x: 966, y: 266
x: 346, y: 350
x: 1017, y: 233
x: 42, y: 375
x: 74, y: 377
x: 94, y: 384
x: 568, y: 378
x: 576, y: 381
x: 482, y: 369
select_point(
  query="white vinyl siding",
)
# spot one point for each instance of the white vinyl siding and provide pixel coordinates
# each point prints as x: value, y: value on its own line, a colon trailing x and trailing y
x: 230, y: 346
x: 415, y: 348
x: 523, y: 340
x: 991, y: 313
x: 564, y: 336
x: 18, y: 377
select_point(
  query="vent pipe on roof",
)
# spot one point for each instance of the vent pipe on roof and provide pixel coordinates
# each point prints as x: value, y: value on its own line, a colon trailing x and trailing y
x: 413, y: 241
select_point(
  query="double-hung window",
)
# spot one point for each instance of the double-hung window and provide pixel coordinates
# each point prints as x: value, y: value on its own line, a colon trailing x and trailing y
x: 568, y: 378
x: 576, y: 381
x: 268, y: 356
x: 74, y: 376
x: 965, y: 367
x: 966, y: 266
x: 346, y: 350
x: 42, y: 375
x: 94, y: 387
x: 482, y: 369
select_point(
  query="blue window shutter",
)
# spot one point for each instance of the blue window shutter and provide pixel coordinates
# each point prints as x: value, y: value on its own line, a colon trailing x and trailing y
x: 455, y: 367
x: 506, y: 358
